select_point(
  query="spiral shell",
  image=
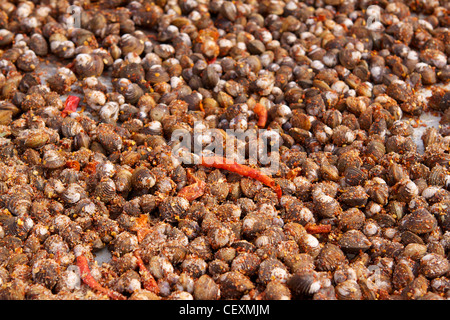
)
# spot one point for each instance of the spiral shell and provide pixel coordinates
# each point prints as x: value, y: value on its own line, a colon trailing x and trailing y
x: 378, y: 190
x: 325, y: 205
x: 133, y: 72
x: 406, y: 190
x: 34, y: 138
x: 110, y: 140
x: 143, y: 178
x: 73, y: 193
x: 53, y: 159
x: 234, y: 284
x: 38, y: 44
x: 205, y: 288
x: 19, y: 204
x: 123, y: 180
x: 6, y: 37
x: 105, y: 190
x: 62, y: 48
x: 156, y: 74
x: 70, y: 127
x: 129, y: 43
x: 109, y: 113
x: 246, y: 263
x: 304, y: 283
x: 28, y: 61
x: 131, y: 91
x: 87, y: 65
x: 439, y: 176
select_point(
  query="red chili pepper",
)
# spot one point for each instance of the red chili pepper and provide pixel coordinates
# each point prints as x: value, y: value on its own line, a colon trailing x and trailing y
x: 70, y: 105
x: 261, y: 111
x: 193, y: 191
x: 212, y: 60
x: 73, y: 164
x: 91, y: 167
x: 88, y: 279
x: 320, y: 228
x: 147, y: 278
x: 243, y: 170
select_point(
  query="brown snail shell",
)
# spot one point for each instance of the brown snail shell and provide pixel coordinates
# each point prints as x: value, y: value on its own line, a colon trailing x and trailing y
x: 354, y: 241
x: 19, y: 204
x: 406, y: 190
x: 105, y: 190
x: 330, y: 258
x: 87, y: 65
x: 143, y: 178
x: 73, y: 193
x: 6, y: 37
x: 62, y: 47
x: 28, y: 61
x: 110, y: 140
x: 129, y: 43
x: 38, y: 44
x: 438, y: 176
x: 157, y: 74
x: 378, y: 190
x: 304, y: 283
x: 46, y: 272
x: 70, y: 127
x: 420, y: 221
x: 123, y: 180
x: 325, y: 205
x: 234, y: 284
x: 205, y: 288
x: 354, y: 196
x: 133, y: 72
x: 53, y: 159
x: 34, y: 138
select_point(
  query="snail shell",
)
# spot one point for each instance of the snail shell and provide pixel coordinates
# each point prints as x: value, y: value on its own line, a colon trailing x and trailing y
x: 109, y: 113
x: 143, y: 178
x: 73, y: 193
x: 157, y: 74
x: 63, y: 49
x: 19, y: 204
x: 406, y: 190
x: 110, y: 140
x: 438, y: 176
x: 325, y: 205
x: 87, y: 65
x: 123, y: 180
x: 133, y: 72
x: 378, y: 190
x: 420, y: 221
x: 304, y: 283
x: 173, y: 207
x: 272, y: 269
x: 106, y: 190
x: 354, y: 176
x: 6, y: 37
x: 234, y: 284
x: 205, y: 288
x: 132, y: 92
x: 38, y: 44
x: 129, y: 43
x: 34, y: 138
x: 330, y: 258
x: 246, y: 263
x: 70, y: 127
x: 81, y: 140
x: 53, y: 159
x: 28, y: 61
